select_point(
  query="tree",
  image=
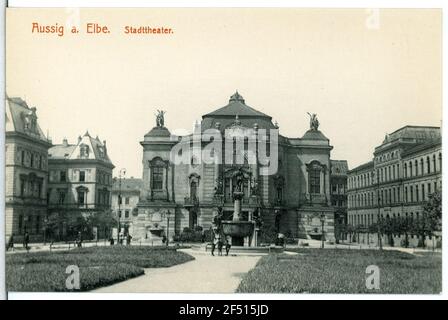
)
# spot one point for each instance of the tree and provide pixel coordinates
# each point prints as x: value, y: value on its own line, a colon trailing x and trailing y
x: 432, y: 211
x: 104, y: 220
x: 404, y: 226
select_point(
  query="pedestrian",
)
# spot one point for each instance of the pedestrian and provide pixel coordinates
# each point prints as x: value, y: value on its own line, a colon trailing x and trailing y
x: 10, y: 243
x: 112, y: 241
x: 128, y: 239
x: 79, y: 240
x: 26, y: 241
x: 216, y: 241
x: 228, y: 244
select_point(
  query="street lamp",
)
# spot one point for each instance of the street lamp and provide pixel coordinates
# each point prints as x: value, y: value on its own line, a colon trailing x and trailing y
x: 322, y: 220
x: 121, y: 173
x: 168, y: 213
x: 379, y: 219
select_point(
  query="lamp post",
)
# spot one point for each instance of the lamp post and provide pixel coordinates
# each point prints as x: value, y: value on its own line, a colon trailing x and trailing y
x: 322, y: 220
x: 168, y: 213
x: 121, y: 173
x: 379, y: 219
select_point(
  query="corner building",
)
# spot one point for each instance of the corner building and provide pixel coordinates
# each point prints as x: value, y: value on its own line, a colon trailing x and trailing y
x: 406, y: 168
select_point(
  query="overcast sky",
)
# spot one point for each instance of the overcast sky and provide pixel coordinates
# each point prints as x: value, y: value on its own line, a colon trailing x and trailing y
x: 364, y: 73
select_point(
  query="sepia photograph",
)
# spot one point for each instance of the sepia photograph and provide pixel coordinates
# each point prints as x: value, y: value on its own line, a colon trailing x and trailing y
x: 223, y: 151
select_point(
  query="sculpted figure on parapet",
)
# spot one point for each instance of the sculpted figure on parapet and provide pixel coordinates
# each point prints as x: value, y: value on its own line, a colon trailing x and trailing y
x: 314, y: 123
x: 160, y: 118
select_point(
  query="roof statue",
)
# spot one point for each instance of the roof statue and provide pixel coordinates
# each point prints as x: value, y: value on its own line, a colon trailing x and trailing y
x: 314, y: 123
x: 160, y: 119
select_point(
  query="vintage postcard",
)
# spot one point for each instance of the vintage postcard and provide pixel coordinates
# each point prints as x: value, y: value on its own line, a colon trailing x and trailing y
x: 223, y: 150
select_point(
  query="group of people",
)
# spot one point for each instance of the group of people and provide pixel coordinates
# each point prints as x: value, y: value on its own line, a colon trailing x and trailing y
x: 220, y: 240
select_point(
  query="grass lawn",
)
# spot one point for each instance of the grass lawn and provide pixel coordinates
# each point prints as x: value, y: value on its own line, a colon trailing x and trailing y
x: 344, y: 271
x: 99, y: 266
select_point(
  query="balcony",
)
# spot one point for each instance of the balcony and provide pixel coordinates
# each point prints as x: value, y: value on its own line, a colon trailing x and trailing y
x: 190, y: 202
x: 311, y: 199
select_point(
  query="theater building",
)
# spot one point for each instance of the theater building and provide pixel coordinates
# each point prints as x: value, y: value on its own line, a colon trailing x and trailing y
x: 25, y: 171
x: 406, y: 168
x: 294, y: 199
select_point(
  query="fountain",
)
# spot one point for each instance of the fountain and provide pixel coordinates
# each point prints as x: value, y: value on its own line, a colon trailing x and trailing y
x: 236, y: 228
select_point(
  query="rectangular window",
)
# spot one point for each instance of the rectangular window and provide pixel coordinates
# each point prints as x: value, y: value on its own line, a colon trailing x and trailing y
x: 62, y: 176
x: 81, y: 197
x: 20, y: 223
x: 126, y: 200
x: 126, y: 214
x: 82, y: 176
x: 61, y: 199
x: 157, y: 178
x: 37, y: 224
x: 22, y: 187
x: 314, y: 177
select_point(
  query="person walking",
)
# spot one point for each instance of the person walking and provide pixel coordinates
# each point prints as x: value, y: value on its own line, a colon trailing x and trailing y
x: 216, y: 240
x: 228, y: 244
x: 10, y: 243
x: 26, y: 241
x: 128, y: 239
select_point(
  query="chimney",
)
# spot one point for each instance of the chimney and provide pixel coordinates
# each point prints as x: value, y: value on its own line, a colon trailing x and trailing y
x: 105, y: 146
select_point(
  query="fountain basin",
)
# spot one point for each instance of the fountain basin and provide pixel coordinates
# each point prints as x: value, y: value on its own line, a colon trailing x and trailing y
x: 238, y: 228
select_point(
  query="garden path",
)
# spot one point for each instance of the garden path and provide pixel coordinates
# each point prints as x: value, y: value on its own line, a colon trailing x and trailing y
x: 205, y: 274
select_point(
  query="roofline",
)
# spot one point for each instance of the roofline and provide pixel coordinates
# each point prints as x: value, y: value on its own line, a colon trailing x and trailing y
x: 12, y: 134
x: 362, y: 166
x: 416, y: 127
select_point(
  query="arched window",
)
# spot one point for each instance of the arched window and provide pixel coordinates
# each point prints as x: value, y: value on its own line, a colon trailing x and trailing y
x: 405, y: 194
x: 412, y: 193
x: 428, y: 165
x: 405, y: 170
x: 416, y: 167
x: 422, y: 167
x: 434, y: 162
x: 416, y: 193
x: 440, y: 161
x: 410, y: 168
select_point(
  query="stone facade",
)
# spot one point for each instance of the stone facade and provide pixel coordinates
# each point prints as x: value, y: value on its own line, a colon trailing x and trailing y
x: 79, y: 179
x: 26, y: 171
x: 293, y: 199
x: 406, y: 168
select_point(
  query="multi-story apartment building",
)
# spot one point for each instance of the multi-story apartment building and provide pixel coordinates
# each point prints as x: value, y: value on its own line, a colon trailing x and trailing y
x: 126, y: 210
x: 406, y: 169
x: 26, y: 171
x: 338, y: 190
x: 80, y: 179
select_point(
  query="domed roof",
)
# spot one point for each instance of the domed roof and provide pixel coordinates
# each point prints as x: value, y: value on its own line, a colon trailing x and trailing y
x: 159, y: 132
x: 236, y: 106
x: 314, y: 135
